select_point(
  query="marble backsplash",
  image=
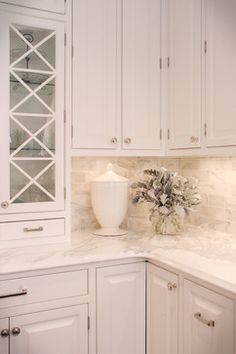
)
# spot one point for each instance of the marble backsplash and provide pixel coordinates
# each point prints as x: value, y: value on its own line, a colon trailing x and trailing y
x: 217, y: 181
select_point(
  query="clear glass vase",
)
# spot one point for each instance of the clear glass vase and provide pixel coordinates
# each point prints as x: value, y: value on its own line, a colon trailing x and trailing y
x: 167, y: 224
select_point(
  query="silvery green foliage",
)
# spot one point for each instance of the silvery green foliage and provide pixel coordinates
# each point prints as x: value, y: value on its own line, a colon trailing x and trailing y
x: 167, y: 192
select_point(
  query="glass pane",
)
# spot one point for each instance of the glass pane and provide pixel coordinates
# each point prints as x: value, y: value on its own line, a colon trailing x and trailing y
x: 17, y: 46
x: 32, y: 105
x: 47, y: 137
x: 49, y: 47
x: 33, y: 62
x: 47, y: 180
x: 47, y: 94
x: 17, y: 181
x: 32, y: 149
x: 33, y: 123
x: 31, y: 167
x: 17, y: 91
x: 17, y: 136
x: 33, y: 194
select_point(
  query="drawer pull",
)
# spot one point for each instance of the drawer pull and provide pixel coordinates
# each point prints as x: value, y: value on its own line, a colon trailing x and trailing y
x: 20, y: 293
x: 15, y: 331
x: 171, y: 286
x: 27, y: 229
x: 209, y: 323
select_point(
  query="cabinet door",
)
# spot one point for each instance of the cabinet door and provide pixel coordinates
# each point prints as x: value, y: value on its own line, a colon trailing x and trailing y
x: 47, y: 5
x: 162, y: 311
x: 32, y: 106
x: 121, y: 309
x: 61, y: 331
x: 208, y: 321
x: 185, y: 73
x: 141, y: 74
x: 221, y: 73
x: 95, y: 73
x: 4, y: 339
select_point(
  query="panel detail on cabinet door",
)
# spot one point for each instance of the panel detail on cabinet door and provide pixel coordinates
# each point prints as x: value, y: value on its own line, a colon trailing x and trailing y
x: 185, y: 72
x: 162, y: 311
x: 141, y: 74
x: 4, y: 336
x: 208, y: 323
x: 60, y: 331
x: 221, y: 73
x: 121, y: 309
x: 49, y: 5
x: 95, y: 72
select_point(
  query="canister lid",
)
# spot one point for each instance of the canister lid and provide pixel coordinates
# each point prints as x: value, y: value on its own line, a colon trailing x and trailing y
x: 110, y: 176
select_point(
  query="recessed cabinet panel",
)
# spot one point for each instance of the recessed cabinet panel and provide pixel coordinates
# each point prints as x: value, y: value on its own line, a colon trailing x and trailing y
x: 47, y: 5
x: 208, y: 321
x: 95, y: 64
x: 141, y: 74
x: 184, y: 74
x: 221, y: 73
x: 4, y: 337
x: 62, y: 331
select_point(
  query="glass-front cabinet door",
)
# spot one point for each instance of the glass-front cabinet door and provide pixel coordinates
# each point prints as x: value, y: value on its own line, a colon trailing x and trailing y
x: 31, y: 113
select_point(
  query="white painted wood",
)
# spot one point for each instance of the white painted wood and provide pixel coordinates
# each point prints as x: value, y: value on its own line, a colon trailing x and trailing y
x: 141, y: 74
x: 47, y: 5
x: 95, y: 74
x: 44, y: 288
x: 185, y: 72
x: 221, y: 73
x: 60, y: 331
x: 162, y: 311
x: 121, y: 309
x: 198, y: 337
x: 4, y: 341
x: 32, y: 229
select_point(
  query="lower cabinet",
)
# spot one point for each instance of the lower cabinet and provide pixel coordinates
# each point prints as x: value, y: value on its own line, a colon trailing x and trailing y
x: 208, y: 321
x: 162, y: 311
x: 121, y: 309
x: 59, y: 331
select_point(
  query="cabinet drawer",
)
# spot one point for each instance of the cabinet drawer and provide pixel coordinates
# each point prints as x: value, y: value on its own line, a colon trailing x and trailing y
x: 29, y: 290
x: 31, y: 229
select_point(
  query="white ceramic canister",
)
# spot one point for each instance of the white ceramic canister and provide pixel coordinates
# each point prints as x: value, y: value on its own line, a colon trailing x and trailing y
x: 109, y: 193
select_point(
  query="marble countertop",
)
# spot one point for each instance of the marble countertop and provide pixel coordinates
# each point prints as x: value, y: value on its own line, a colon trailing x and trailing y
x: 206, y: 254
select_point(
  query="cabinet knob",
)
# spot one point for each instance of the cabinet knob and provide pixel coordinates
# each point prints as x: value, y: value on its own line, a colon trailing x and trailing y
x: 194, y: 139
x: 113, y: 140
x: 5, y: 332
x: 171, y: 286
x: 15, y: 331
x: 127, y: 140
x: 5, y: 204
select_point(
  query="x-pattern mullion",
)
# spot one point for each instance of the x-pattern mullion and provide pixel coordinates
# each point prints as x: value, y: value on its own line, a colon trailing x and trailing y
x: 33, y: 48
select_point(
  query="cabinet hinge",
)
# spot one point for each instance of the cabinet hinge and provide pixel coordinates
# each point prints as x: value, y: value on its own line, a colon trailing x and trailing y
x: 168, y: 134
x: 72, y: 131
x: 160, y: 63
x: 64, y: 116
x: 160, y: 134
x: 168, y: 62
x: 205, y: 46
x: 65, y: 39
x: 88, y: 322
x: 64, y: 193
x: 205, y: 129
x: 72, y: 51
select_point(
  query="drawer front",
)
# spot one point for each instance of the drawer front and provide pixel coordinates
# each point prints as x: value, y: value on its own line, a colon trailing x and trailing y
x: 29, y: 290
x: 31, y: 229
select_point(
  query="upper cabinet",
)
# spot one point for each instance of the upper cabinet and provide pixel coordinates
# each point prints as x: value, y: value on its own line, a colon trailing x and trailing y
x: 46, y: 5
x: 220, y: 73
x: 184, y: 62
x: 141, y: 89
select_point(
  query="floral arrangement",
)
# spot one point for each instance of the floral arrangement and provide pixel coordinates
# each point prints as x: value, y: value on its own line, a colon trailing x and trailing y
x: 171, y: 197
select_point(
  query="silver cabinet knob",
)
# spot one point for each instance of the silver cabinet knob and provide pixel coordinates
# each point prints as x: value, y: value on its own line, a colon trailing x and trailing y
x: 5, y: 204
x: 171, y: 286
x: 15, y: 331
x: 113, y: 140
x: 5, y: 332
x: 194, y: 139
x: 127, y: 140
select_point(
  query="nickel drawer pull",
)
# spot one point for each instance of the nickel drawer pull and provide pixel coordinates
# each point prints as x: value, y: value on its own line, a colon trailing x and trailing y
x: 209, y: 323
x: 27, y: 229
x: 20, y: 293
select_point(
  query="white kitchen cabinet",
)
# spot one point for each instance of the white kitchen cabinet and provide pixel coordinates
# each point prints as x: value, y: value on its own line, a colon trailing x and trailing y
x: 220, y: 73
x: 4, y: 335
x: 162, y: 311
x: 121, y: 309
x: 141, y: 79
x: 184, y: 61
x: 46, y: 5
x: 32, y: 133
x: 208, y: 321
x: 95, y: 74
